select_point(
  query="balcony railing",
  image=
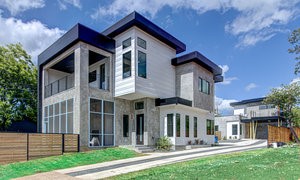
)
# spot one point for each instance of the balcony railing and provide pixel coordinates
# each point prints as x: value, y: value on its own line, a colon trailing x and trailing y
x: 98, y: 81
x: 60, y: 85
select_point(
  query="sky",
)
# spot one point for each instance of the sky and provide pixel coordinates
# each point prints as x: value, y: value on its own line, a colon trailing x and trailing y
x: 247, y: 39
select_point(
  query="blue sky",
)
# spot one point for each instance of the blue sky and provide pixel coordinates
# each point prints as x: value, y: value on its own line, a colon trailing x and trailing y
x: 248, y: 39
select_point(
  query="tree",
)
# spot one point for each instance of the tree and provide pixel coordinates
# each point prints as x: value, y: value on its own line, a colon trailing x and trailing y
x: 18, y: 86
x: 294, y: 39
x: 287, y: 98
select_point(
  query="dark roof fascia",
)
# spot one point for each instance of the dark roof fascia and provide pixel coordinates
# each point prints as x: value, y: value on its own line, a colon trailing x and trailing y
x: 247, y: 101
x: 173, y: 100
x: 262, y: 119
x: 78, y: 33
x: 135, y: 19
x: 201, y: 60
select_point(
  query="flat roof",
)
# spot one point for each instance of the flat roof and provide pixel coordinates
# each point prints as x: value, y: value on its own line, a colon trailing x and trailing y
x: 201, y: 60
x: 135, y: 19
x: 77, y: 33
x: 247, y: 101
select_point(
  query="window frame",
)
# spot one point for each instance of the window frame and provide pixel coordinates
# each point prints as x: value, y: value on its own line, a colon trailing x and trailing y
x: 126, y: 40
x: 170, y: 125
x: 125, y: 128
x: 195, y: 127
x: 187, y: 126
x: 236, y: 129
x: 124, y: 76
x: 141, y: 45
x: 210, y: 125
x: 178, y: 124
x: 140, y: 74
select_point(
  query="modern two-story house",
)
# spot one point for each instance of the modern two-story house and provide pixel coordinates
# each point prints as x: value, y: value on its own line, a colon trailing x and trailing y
x: 250, y: 119
x: 126, y: 86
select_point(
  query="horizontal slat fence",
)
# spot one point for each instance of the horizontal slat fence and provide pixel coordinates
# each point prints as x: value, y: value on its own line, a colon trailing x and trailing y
x: 25, y: 146
x: 280, y: 134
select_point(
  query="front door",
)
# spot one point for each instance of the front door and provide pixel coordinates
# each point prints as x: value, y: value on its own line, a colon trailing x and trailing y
x: 140, y: 129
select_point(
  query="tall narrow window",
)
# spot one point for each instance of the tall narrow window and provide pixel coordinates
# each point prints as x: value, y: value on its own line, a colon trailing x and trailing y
x: 126, y: 43
x: 142, y: 43
x: 210, y: 127
x: 170, y: 125
x: 195, y: 126
x: 127, y: 64
x: 216, y: 127
x: 187, y: 126
x: 142, y: 65
x: 92, y: 76
x: 125, y: 126
x: 234, y: 129
x: 177, y: 125
x: 241, y: 129
x: 203, y: 86
x: 102, y: 76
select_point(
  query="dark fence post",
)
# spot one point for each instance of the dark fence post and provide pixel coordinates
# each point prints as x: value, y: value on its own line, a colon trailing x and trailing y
x: 27, y: 146
x: 78, y: 141
x: 63, y: 144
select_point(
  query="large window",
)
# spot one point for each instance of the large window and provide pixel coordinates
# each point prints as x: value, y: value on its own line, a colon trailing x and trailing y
x: 126, y: 43
x: 142, y: 43
x: 187, y: 126
x: 101, y: 123
x: 127, y: 64
x: 210, y: 127
x: 142, y: 65
x: 195, y: 126
x: 170, y: 125
x: 177, y: 125
x: 203, y: 86
x: 58, y: 117
x: 234, y: 129
x: 125, y: 126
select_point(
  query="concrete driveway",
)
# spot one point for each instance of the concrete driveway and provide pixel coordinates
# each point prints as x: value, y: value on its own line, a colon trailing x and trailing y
x: 113, y: 168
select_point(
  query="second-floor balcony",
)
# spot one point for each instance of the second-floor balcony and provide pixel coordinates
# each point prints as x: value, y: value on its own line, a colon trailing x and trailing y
x: 59, y: 85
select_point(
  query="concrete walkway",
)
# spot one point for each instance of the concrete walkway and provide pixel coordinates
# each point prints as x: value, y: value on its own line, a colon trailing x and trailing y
x: 113, y: 168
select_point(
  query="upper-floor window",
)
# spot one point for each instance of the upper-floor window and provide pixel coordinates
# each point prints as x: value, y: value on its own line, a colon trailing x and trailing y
x: 203, y: 86
x: 126, y: 43
x: 269, y: 106
x: 127, y: 64
x: 142, y: 65
x: 142, y: 43
x: 92, y: 76
x: 139, y: 105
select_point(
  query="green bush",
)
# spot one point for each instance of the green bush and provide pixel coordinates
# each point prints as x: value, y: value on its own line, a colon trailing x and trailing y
x: 164, y: 143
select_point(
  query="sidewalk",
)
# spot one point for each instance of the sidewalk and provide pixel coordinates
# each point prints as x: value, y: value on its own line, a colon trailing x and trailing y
x: 113, y: 168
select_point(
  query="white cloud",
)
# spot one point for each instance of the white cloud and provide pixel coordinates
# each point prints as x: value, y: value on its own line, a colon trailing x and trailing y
x: 17, y: 6
x: 223, y: 105
x: 33, y: 35
x: 226, y: 80
x: 63, y: 4
x: 256, y: 20
x: 250, y: 86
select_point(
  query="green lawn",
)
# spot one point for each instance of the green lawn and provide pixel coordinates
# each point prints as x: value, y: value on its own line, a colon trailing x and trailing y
x: 64, y: 161
x: 281, y: 163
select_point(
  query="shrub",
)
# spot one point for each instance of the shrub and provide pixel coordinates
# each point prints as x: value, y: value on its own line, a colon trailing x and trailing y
x: 164, y: 143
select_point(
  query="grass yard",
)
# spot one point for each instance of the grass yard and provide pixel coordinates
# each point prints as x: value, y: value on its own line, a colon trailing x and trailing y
x: 281, y: 163
x: 64, y: 161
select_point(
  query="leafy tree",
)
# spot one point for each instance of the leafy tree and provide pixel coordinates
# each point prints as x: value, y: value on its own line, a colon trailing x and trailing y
x: 294, y: 39
x: 287, y: 98
x: 18, y: 85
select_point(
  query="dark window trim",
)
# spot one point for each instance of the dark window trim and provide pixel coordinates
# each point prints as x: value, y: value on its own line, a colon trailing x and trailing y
x: 124, y: 41
x: 129, y: 74
x: 141, y: 39
x: 187, y: 126
x: 170, y: 125
x: 125, y: 125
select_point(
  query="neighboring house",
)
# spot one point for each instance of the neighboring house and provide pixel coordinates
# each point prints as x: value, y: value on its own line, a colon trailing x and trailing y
x: 126, y: 86
x: 230, y: 127
x: 251, y: 118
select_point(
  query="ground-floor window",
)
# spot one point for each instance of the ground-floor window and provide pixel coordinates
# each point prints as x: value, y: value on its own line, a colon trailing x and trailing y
x: 234, y: 129
x: 58, y: 117
x: 101, y: 123
x: 210, y: 127
x: 125, y: 125
x: 177, y: 125
x: 195, y: 126
x: 170, y: 125
x: 241, y: 129
x: 216, y: 127
x: 187, y: 126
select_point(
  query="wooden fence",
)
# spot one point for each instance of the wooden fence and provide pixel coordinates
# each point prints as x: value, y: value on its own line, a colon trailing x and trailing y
x: 280, y: 134
x: 25, y: 146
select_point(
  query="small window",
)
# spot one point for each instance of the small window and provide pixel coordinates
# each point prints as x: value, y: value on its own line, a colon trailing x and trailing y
x: 127, y: 64
x: 216, y: 128
x: 126, y: 43
x: 142, y: 43
x: 139, y: 105
x: 92, y: 76
x: 125, y: 126
x: 234, y: 129
x: 210, y: 124
x: 170, y: 125
x: 203, y: 86
x: 142, y: 65
x: 195, y: 126
x: 187, y: 126
x: 177, y: 125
